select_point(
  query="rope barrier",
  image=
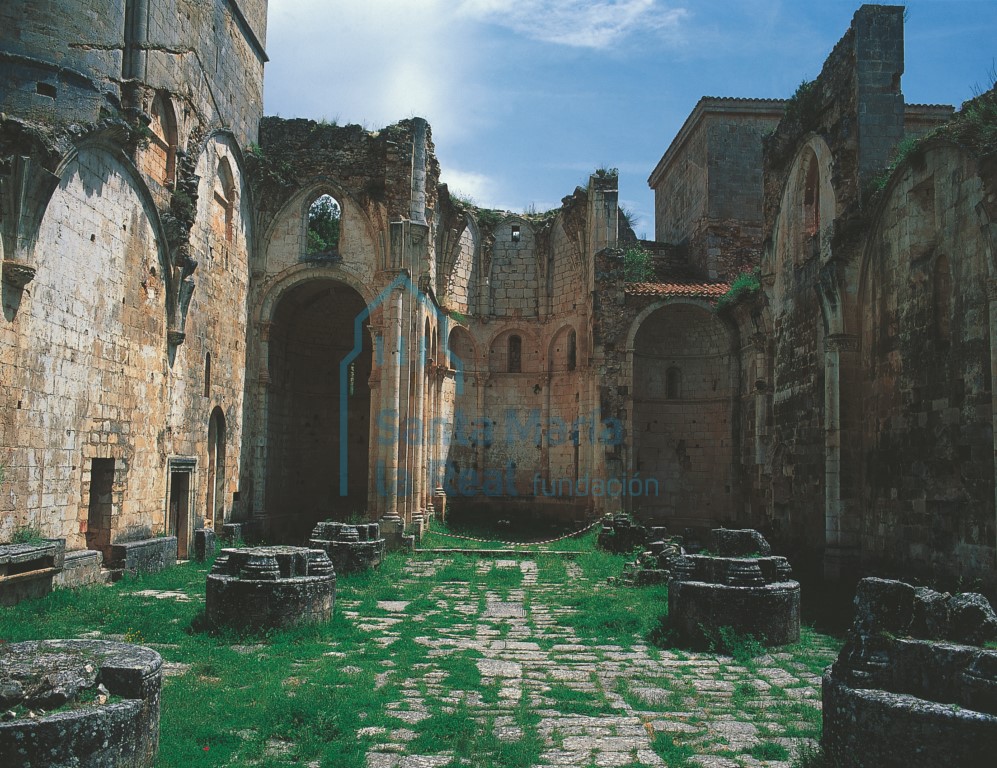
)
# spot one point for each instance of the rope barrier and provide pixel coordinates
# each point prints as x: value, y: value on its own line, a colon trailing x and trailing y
x: 520, y: 543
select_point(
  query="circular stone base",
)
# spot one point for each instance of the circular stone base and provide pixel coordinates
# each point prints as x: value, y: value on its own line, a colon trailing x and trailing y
x: 122, y: 732
x: 270, y: 587
x: 870, y: 728
x: 771, y: 613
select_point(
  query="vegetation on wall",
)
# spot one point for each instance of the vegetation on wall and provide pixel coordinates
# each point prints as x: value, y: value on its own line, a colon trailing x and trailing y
x: 975, y: 124
x: 637, y: 265
x: 803, y: 107
x: 745, y: 284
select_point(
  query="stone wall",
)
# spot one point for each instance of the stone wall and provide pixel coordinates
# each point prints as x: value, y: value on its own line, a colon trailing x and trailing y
x: 926, y: 389
x: 126, y: 209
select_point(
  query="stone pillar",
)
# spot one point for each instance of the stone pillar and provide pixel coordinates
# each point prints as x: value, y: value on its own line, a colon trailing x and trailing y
x: 375, y: 497
x: 760, y: 388
x: 992, y: 307
x: 392, y: 524
x: 416, y: 436
x: 842, y: 456
x: 261, y: 393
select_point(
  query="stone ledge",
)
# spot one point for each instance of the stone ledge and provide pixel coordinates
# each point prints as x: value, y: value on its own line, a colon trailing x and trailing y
x: 144, y: 556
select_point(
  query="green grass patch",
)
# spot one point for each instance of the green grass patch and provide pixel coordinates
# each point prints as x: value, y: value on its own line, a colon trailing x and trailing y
x: 769, y: 750
x: 674, y: 754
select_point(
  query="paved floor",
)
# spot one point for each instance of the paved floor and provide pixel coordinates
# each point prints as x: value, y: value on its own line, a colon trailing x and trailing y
x: 729, y: 714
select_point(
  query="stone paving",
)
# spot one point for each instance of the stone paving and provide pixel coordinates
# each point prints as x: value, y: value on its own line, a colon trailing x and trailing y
x: 631, y: 696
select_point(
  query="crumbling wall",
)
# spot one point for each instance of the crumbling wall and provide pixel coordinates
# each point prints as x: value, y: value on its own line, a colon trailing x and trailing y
x: 928, y: 492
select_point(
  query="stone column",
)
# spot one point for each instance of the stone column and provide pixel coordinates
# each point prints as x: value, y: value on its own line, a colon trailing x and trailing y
x: 375, y: 499
x: 417, y: 433
x: 760, y: 388
x: 262, y: 414
x: 392, y: 524
x: 992, y: 307
x: 842, y: 456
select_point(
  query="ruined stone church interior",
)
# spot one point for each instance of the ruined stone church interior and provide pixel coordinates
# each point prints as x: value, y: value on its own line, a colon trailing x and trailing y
x: 216, y: 321
x: 175, y: 327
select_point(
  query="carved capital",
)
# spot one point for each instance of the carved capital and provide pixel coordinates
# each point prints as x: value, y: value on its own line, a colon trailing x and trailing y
x: 841, y: 342
x: 992, y: 290
x: 18, y: 274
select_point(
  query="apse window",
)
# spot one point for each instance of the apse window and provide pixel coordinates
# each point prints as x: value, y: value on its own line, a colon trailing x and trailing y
x: 324, y: 220
x: 673, y: 383
x: 515, y: 354
x: 516, y: 233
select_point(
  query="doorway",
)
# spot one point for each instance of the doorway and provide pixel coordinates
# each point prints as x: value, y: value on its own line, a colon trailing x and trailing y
x: 178, y: 508
x: 214, y: 508
x: 100, y: 508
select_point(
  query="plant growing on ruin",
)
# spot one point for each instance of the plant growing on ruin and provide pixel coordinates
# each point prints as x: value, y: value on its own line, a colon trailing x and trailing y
x: 27, y: 535
x: 744, y: 284
x: 803, y: 107
x: 637, y: 265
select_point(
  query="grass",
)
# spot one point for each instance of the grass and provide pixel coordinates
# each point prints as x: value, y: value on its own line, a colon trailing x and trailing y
x: 302, y: 695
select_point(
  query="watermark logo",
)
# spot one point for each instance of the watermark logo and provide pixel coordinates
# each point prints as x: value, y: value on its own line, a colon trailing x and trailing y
x: 403, y: 284
x: 514, y: 432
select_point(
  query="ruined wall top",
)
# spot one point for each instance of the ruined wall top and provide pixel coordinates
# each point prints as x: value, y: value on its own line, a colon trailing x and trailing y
x: 855, y: 104
x: 391, y: 173
x: 69, y: 64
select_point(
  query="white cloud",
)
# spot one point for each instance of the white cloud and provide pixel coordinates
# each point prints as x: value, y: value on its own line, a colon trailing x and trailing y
x: 373, y: 62
x: 477, y: 186
x: 579, y: 23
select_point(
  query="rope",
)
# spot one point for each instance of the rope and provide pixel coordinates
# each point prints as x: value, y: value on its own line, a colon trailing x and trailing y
x: 520, y: 543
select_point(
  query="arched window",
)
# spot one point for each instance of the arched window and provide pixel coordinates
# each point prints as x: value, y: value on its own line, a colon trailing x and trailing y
x: 214, y: 512
x: 572, y: 350
x: 673, y: 383
x: 515, y: 354
x: 225, y: 198
x: 207, y: 374
x: 943, y: 300
x: 324, y: 220
x: 163, y: 142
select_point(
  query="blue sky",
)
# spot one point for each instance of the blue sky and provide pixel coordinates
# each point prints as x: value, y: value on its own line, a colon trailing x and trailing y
x: 527, y: 97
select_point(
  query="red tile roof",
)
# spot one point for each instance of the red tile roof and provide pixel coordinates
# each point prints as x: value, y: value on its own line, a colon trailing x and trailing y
x: 697, y: 290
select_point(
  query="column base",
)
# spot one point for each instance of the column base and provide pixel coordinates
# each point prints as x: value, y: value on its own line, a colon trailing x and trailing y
x: 841, y: 564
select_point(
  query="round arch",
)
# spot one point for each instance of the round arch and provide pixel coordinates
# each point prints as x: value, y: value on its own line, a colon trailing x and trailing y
x: 319, y: 403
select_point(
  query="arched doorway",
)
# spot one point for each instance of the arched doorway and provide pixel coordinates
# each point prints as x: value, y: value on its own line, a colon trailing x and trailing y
x: 214, y: 508
x: 319, y: 402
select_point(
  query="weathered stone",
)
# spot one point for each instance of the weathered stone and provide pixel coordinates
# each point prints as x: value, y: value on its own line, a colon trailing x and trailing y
x: 28, y: 570
x: 750, y: 595
x: 884, y: 605
x: 204, y: 544
x: 893, y: 700
x: 972, y: 619
x: 739, y: 543
x: 231, y: 532
x: 351, y: 548
x: 75, y: 675
x: 265, y: 587
x: 144, y: 556
x: 80, y: 567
